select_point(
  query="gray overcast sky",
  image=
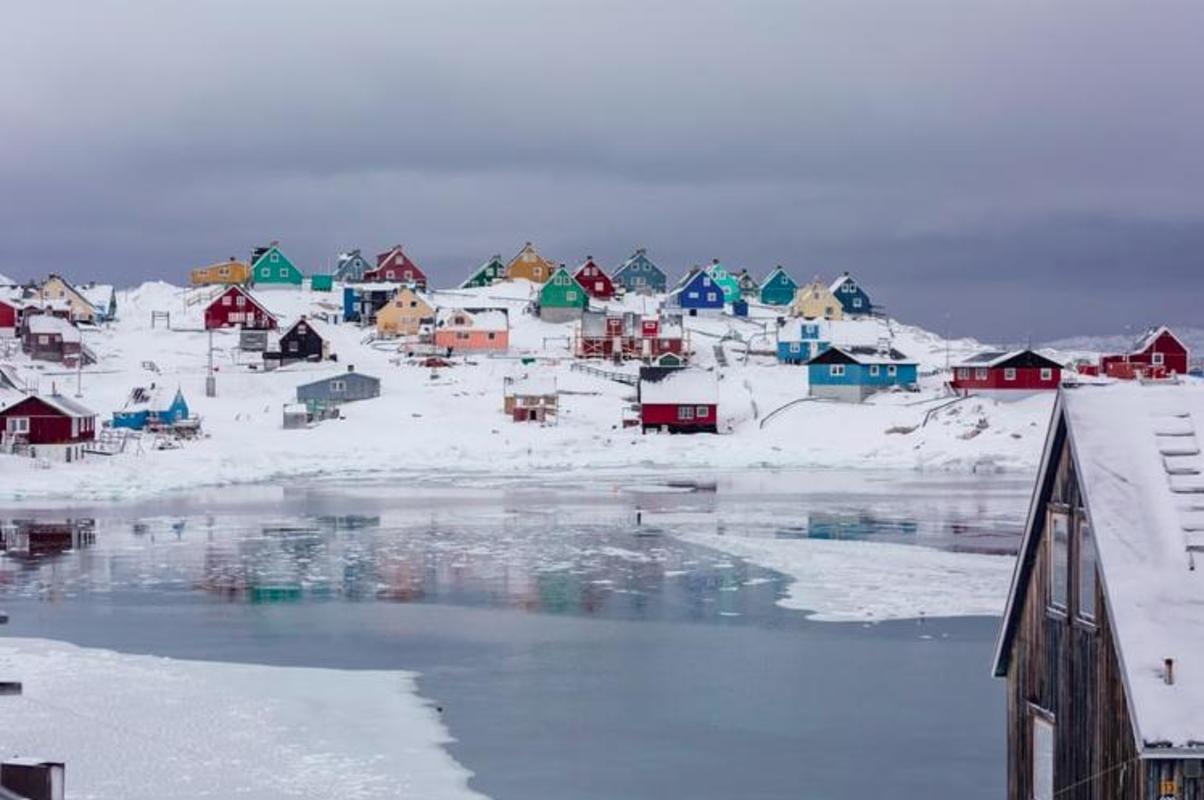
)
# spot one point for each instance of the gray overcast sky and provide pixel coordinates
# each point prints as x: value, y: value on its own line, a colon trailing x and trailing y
x: 1003, y: 169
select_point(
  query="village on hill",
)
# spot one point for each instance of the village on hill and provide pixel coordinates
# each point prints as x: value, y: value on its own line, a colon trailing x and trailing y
x: 254, y: 370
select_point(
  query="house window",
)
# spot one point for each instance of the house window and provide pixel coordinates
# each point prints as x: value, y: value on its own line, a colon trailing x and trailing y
x: 338, y: 386
x: 462, y: 335
x: 1058, y: 529
x: 598, y: 286
x: 1086, y: 547
x: 1042, y: 757
x: 570, y: 295
x: 701, y: 412
x: 292, y: 347
x: 1046, y: 374
x: 18, y: 424
x: 980, y: 374
x: 1158, y: 359
x: 874, y: 370
x: 836, y: 370
x: 856, y: 302
x: 1009, y: 374
x: 284, y: 272
x: 685, y: 413
x: 492, y: 336
x: 710, y: 297
x: 240, y: 301
x: 892, y: 370
x: 43, y: 339
x: 223, y: 271
x: 275, y: 257
x: 226, y: 300
x: 794, y: 347
x: 692, y: 295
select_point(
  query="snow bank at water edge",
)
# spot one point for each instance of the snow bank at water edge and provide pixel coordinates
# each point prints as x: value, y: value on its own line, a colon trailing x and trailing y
x: 133, y: 727
x: 850, y: 581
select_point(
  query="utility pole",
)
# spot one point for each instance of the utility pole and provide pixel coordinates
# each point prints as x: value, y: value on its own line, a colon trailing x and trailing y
x: 79, y: 374
x: 210, y: 378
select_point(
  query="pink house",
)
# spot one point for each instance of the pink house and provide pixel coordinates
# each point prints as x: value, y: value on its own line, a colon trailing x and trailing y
x: 472, y: 329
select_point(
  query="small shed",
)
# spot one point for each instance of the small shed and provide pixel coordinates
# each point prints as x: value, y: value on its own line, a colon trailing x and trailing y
x: 321, y: 282
x: 149, y: 407
x: 530, y: 398
x: 305, y: 340
x: 296, y: 415
x: 341, y: 387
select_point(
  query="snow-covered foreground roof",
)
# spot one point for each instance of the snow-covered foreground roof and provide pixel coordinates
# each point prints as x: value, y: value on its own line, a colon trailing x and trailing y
x: 47, y: 324
x: 1137, y: 449
x: 163, y: 727
x: 682, y: 386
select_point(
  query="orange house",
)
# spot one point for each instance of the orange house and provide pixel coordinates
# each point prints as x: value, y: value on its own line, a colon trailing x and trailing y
x: 531, y: 265
x: 230, y: 272
x: 472, y: 329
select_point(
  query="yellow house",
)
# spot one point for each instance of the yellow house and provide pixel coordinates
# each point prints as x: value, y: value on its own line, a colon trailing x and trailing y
x: 56, y: 288
x: 531, y: 265
x: 816, y: 301
x: 227, y: 272
x: 405, y: 313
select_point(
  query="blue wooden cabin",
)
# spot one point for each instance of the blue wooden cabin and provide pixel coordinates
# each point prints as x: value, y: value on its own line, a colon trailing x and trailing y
x: 853, y: 299
x: 639, y: 274
x: 851, y: 374
x: 800, y: 341
x: 145, y: 407
x: 697, y: 293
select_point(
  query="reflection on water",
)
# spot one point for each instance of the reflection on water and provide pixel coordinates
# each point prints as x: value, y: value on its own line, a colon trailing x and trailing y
x: 36, y: 538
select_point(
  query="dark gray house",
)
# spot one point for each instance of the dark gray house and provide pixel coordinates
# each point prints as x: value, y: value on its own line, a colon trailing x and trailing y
x: 342, y: 387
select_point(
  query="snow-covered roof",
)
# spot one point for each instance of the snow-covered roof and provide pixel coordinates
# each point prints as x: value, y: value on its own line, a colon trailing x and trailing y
x: 66, y: 405
x: 1137, y: 455
x: 531, y: 385
x: 314, y: 325
x: 682, y: 386
x: 10, y: 377
x: 1147, y: 338
x: 994, y: 358
x: 839, y: 332
x: 866, y: 355
x: 484, y: 319
x: 98, y: 294
x: 50, y: 324
x: 832, y: 287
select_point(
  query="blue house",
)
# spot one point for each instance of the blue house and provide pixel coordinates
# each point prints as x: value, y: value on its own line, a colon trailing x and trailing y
x: 778, y: 288
x: 696, y: 294
x: 147, y: 407
x: 639, y: 274
x: 362, y: 301
x: 351, y: 267
x: 799, y: 342
x: 852, y: 297
x: 851, y: 374
x: 341, y: 387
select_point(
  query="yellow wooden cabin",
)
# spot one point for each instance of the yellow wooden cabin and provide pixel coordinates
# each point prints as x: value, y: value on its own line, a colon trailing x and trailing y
x: 816, y: 301
x: 405, y: 314
x: 226, y: 273
x: 531, y: 265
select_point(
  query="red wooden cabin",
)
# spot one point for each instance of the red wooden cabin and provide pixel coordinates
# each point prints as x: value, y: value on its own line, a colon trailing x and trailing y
x: 236, y: 308
x: 594, y: 281
x: 47, y: 426
x: 396, y: 267
x: 10, y: 314
x: 679, y: 400
x: 1158, y: 354
x: 629, y: 336
x: 1017, y: 371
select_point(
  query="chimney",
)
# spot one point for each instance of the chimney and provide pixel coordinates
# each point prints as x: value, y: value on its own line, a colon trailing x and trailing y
x: 714, y: 261
x: 351, y: 367
x: 1168, y: 674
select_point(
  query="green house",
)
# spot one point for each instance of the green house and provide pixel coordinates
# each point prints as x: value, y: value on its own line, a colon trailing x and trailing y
x: 778, y: 288
x: 321, y: 283
x: 487, y: 274
x: 725, y: 281
x: 270, y: 267
x: 561, y: 298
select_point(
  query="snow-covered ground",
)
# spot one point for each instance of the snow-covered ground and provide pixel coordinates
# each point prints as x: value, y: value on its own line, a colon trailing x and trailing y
x: 451, y: 422
x: 133, y: 727
x: 850, y: 581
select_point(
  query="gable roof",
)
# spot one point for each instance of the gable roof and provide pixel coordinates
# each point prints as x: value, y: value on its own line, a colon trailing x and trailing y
x: 994, y: 359
x: 632, y: 259
x: 49, y: 324
x: 836, y: 284
x: 485, y: 319
x: 1136, y: 452
x: 216, y: 301
x: 1149, y: 337
x: 63, y: 405
x: 665, y: 385
x: 774, y: 273
x: 860, y: 354
x: 348, y: 374
x: 314, y: 325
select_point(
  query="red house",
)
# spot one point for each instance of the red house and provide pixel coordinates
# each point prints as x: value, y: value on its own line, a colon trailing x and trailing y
x: 594, y: 281
x: 396, y: 267
x: 47, y: 426
x: 678, y: 400
x: 1006, y: 374
x: 630, y: 336
x: 1158, y: 354
x: 10, y: 315
x: 236, y: 308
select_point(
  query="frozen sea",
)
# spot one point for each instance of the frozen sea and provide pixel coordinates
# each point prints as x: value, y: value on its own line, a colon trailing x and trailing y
x: 576, y: 638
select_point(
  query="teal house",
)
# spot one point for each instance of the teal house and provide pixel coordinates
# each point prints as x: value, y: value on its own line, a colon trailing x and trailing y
x: 147, y: 407
x: 562, y: 299
x: 639, y: 275
x: 270, y: 267
x: 778, y: 288
x: 725, y: 281
x: 851, y: 374
x: 487, y: 274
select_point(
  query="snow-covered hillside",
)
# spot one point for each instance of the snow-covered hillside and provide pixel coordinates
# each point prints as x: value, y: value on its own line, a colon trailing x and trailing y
x: 1122, y: 343
x: 450, y: 421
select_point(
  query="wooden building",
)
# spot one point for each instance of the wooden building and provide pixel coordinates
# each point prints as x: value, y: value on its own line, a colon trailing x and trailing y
x: 1102, y: 641
x: 530, y: 398
x: 529, y: 265
x: 1006, y: 375
x: 489, y: 273
x: 341, y: 387
x: 778, y: 288
x: 46, y: 337
x: 350, y: 267
x: 853, y: 373
x: 628, y: 335
x: 816, y: 301
x: 150, y: 407
x: 394, y: 266
x: 472, y: 330
x: 56, y: 288
x: 305, y: 340
x: 561, y: 299
x: 236, y: 308
x: 596, y: 283
x: 726, y: 281
x: 640, y: 275
x: 853, y: 299
x: 47, y: 426
x: 405, y: 314
x: 696, y: 294
x: 230, y: 272
x: 1159, y: 353
x: 678, y: 400
x: 271, y: 267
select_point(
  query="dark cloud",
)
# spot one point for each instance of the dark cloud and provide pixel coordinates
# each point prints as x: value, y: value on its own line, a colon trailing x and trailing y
x: 1006, y: 168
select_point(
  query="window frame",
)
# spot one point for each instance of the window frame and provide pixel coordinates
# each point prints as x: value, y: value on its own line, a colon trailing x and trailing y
x: 685, y: 413
x: 1040, y: 719
x: 1055, y: 511
x: 1009, y: 373
x: 1085, y: 567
